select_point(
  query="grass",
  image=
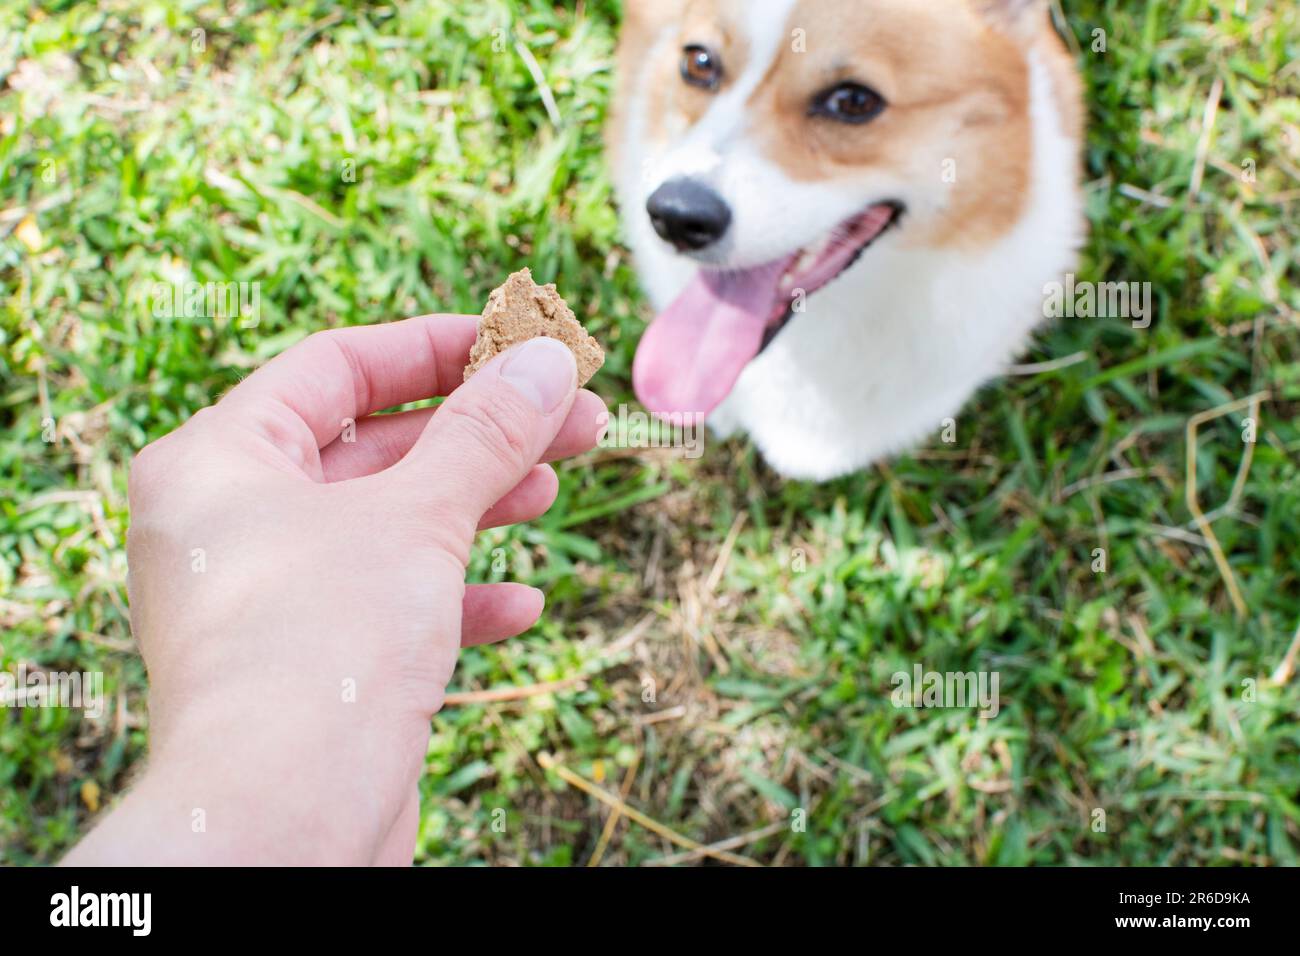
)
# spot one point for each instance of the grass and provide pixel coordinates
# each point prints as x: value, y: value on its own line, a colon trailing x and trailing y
x: 735, y: 636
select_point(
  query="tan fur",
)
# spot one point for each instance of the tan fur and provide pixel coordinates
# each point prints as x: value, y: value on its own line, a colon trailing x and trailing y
x: 1067, y: 85
x: 643, y: 21
x: 715, y: 24
x: 954, y: 73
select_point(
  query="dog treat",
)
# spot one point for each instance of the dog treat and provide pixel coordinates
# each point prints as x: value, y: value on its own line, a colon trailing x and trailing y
x: 520, y: 309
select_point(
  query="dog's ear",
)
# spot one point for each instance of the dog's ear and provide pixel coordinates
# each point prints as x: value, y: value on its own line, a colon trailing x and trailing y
x: 1020, y: 18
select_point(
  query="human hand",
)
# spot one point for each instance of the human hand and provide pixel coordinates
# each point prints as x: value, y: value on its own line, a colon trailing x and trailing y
x: 300, y: 599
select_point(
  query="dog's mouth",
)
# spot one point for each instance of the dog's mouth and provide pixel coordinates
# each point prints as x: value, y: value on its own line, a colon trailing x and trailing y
x: 693, y: 352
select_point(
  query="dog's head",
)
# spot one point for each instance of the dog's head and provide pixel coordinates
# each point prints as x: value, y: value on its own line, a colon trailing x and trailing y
x: 778, y: 140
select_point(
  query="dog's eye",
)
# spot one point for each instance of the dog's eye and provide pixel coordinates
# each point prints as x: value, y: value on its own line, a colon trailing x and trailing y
x: 848, y: 103
x: 701, y: 67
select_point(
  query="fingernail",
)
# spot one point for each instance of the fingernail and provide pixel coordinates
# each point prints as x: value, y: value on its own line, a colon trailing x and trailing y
x: 543, y: 370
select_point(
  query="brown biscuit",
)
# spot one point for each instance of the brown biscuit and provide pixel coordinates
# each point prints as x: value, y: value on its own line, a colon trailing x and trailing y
x: 520, y: 309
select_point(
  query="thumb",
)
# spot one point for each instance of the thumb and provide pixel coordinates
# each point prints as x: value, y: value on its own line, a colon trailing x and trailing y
x: 492, y: 430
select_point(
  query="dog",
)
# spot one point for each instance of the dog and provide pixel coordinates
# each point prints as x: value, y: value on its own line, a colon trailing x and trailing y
x: 845, y: 212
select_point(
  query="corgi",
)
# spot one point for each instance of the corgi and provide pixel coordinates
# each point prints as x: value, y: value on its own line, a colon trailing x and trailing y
x: 844, y: 212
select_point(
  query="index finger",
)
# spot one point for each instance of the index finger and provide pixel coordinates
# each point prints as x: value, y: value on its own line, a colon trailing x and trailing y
x: 342, y: 375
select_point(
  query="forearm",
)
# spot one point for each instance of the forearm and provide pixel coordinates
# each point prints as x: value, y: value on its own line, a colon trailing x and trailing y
x: 271, y: 792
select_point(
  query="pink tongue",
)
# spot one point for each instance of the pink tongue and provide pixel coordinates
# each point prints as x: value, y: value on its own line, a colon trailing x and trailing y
x: 693, y: 352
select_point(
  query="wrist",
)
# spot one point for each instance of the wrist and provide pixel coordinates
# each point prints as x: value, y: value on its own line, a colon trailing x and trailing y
x: 261, y: 785
x: 324, y: 784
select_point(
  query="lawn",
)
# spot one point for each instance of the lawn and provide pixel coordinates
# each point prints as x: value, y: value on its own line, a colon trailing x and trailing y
x: 717, y: 653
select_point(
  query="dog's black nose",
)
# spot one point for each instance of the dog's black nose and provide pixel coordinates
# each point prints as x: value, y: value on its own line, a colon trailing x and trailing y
x: 688, y: 214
